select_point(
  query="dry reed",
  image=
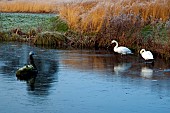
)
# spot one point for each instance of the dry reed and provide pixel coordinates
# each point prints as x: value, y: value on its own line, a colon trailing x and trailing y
x: 54, y: 39
x: 27, y: 6
x: 123, y: 20
x: 89, y: 16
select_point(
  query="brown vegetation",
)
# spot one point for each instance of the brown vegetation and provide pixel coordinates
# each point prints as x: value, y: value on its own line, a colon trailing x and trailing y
x: 134, y: 23
x: 27, y: 6
x: 89, y: 16
x: 53, y: 39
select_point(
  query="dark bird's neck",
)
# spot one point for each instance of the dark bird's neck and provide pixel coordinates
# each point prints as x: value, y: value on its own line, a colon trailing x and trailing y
x: 32, y: 61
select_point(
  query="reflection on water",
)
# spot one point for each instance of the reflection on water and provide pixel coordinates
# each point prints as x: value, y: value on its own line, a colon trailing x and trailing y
x: 122, y: 67
x: 146, y: 72
x: 82, y: 81
x: 47, y: 74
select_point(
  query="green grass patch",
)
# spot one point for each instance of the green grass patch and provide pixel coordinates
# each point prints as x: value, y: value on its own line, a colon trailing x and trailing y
x: 27, y: 21
x: 44, y: 28
x: 58, y: 24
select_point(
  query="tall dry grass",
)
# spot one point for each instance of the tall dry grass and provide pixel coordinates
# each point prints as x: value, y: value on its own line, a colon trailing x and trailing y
x: 27, y: 6
x: 134, y: 23
x: 89, y: 16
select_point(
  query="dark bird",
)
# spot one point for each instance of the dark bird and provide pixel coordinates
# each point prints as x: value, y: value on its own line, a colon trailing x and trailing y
x: 28, y: 72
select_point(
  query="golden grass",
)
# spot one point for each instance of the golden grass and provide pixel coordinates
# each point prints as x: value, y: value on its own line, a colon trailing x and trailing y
x: 89, y: 16
x: 123, y: 20
x: 27, y: 6
x: 50, y: 38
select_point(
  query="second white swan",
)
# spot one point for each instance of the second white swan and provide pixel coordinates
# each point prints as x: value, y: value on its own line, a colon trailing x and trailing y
x: 147, y: 55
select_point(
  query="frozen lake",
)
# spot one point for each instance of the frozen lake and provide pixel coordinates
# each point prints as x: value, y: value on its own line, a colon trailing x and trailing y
x: 82, y: 81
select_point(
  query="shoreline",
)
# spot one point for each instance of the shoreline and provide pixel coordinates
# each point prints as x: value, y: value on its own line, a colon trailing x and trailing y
x: 49, y: 28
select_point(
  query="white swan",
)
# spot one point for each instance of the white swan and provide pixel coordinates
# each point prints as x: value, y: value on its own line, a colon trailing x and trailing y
x: 147, y: 55
x: 121, y: 49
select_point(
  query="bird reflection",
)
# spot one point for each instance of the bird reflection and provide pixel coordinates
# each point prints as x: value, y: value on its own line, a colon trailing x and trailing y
x: 147, y: 72
x: 122, y: 67
x: 48, y: 70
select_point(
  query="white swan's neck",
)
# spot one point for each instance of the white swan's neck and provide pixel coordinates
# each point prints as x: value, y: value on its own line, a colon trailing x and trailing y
x: 116, y: 46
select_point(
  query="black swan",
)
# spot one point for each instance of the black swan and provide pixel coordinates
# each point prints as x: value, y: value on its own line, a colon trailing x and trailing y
x: 29, y: 71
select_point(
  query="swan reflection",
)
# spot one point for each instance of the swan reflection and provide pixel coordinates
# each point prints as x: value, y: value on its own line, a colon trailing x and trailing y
x: 147, y: 72
x: 122, y: 67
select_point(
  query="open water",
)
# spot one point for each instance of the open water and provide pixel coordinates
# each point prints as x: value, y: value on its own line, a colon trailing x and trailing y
x: 82, y: 81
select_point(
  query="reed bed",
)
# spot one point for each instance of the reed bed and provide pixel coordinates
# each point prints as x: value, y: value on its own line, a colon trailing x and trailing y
x: 54, y: 39
x: 134, y: 23
x: 5, y: 36
x: 89, y: 16
x: 27, y: 6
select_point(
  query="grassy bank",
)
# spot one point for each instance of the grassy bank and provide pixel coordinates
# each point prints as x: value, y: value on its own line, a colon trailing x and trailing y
x: 25, y: 21
x: 40, y: 29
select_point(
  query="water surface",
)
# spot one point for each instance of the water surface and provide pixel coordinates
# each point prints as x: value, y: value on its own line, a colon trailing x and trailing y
x: 83, y: 81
